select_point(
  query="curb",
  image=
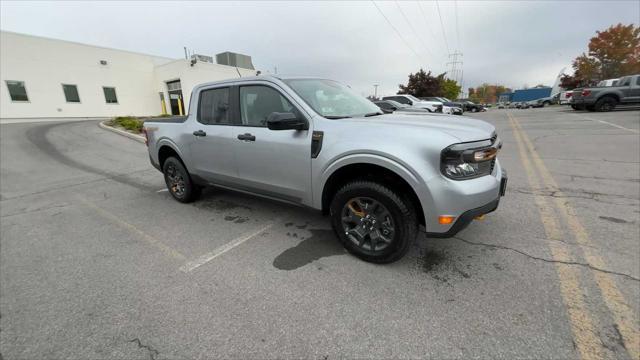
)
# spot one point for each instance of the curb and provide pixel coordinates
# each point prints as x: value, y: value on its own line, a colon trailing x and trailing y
x: 135, y: 137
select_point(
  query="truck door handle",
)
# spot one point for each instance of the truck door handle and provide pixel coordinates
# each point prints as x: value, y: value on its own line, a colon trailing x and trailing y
x: 247, y: 137
x: 199, y: 133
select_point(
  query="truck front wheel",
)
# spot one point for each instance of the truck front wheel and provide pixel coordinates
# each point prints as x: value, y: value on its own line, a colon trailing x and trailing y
x: 373, y: 222
x: 179, y: 182
x: 607, y: 103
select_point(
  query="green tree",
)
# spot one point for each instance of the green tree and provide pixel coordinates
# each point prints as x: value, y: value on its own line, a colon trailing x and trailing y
x: 450, y: 89
x: 422, y: 84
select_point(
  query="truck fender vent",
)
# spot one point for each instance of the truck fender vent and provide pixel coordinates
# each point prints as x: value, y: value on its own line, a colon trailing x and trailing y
x: 316, y: 143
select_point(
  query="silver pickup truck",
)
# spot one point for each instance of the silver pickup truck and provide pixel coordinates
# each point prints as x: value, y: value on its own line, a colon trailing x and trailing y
x: 605, y: 98
x: 314, y: 142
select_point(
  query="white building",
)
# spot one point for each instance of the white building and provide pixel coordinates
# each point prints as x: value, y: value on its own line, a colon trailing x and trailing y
x: 48, y: 78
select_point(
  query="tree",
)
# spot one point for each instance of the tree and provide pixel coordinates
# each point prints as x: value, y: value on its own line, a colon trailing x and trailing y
x: 422, y: 84
x: 450, y: 89
x: 487, y: 93
x: 613, y: 53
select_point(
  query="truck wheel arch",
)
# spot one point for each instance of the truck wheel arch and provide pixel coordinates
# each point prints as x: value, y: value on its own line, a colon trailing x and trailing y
x: 373, y: 172
x: 165, y: 152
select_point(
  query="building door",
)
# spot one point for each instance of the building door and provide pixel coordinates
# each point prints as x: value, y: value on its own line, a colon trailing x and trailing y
x: 175, y: 97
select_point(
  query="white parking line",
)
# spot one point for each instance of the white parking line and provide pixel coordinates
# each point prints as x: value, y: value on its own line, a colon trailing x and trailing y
x: 618, y: 126
x: 191, y: 265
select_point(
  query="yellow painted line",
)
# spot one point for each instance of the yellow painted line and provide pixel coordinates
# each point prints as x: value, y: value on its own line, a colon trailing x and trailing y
x: 144, y: 236
x: 582, y: 326
x: 623, y: 314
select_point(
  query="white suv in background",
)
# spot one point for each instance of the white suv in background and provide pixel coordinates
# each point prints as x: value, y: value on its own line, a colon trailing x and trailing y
x: 432, y: 106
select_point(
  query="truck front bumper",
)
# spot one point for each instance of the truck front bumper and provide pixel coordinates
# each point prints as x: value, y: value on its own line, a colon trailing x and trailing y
x: 466, y: 217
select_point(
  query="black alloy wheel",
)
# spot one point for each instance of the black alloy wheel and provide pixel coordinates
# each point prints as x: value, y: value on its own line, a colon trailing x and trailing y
x: 374, y: 221
x: 368, y: 224
x: 179, y: 182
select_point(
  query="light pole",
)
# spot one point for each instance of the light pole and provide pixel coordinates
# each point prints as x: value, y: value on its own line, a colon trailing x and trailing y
x: 375, y: 91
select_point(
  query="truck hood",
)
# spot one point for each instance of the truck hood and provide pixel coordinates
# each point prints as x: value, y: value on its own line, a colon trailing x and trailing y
x: 463, y: 129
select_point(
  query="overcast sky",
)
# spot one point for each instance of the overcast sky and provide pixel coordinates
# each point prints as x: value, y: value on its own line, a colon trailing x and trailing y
x: 512, y: 43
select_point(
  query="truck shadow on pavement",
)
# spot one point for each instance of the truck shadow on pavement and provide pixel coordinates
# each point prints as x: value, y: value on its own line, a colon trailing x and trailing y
x: 322, y: 243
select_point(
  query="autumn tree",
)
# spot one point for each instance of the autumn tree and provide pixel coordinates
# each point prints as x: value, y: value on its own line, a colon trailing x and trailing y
x: 487, y: 93
x: 613, y: 53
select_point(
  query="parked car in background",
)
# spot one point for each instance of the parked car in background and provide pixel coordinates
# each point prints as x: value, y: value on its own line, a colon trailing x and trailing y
x: 456, y: 107
x: 543, y: 102
x: 390, y: 106
x: 433, y: 106
x: 315, y: 143
x: 501, y: 105
x: 565, y: 97
x: 625, y: 92
x: 471, y: 106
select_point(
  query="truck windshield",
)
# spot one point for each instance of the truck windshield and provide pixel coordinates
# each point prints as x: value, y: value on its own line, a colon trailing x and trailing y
x: 332, y: 99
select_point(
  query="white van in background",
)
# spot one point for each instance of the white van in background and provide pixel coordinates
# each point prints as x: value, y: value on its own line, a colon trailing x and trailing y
x: 608, y: 82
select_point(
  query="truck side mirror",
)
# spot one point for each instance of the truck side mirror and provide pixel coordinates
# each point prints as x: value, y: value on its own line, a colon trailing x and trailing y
x: 286, y: 121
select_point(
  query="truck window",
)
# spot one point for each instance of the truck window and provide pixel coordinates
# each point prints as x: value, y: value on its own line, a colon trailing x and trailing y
x: 258, y: 102
x: 214, y: 107
x: 625, y: 81
x: 402, y: 100
x: 637, y: 80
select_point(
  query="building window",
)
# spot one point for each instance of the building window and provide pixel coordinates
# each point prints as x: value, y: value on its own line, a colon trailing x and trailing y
x: 110, y: 95
x: 71, y: 93
x: 17, y: 91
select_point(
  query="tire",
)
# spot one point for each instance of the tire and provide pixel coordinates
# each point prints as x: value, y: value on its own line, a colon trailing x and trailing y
x: 606, y: 103
x: 545, y: 104
x: 474, y: 110
x: 396, y: 216
x: 574, y: 107
x: 179, y: 182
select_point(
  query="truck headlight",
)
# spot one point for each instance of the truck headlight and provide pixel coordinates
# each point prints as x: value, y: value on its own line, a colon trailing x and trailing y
x: 469, y: 160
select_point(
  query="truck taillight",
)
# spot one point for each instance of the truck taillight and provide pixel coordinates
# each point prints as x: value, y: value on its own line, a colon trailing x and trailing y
x: 569, y: 95
x: 586, y: 92
x: 146, y: 137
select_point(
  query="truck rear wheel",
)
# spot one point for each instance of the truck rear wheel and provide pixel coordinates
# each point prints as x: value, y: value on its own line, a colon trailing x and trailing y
x: 179, y: 182
x: 607, y: 103
x: 373, y: 222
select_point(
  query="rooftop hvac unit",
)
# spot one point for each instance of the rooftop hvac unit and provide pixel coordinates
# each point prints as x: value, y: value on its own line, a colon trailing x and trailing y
x: 235, y: 59
x: 202, y: 58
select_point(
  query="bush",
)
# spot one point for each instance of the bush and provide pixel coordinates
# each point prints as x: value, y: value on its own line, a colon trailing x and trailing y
x: 129, y: 123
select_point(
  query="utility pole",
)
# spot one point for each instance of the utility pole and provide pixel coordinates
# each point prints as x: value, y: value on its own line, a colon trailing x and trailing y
x: 375, y: 91
x: 456, y: 72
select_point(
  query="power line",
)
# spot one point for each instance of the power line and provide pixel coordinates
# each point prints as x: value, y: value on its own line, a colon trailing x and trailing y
x: 446, y: 43
x: 455, y: 4
x: 424, y: 17
x: 413, y: 29
x: 396, y: 30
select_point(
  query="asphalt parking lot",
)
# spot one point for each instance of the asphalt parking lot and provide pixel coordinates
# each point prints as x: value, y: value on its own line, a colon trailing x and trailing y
x: 97, y: 261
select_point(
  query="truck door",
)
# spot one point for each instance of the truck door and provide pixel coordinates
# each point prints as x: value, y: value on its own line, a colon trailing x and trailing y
x: 274, y: 163
x: 634, y: 90
x: 211, y: 141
